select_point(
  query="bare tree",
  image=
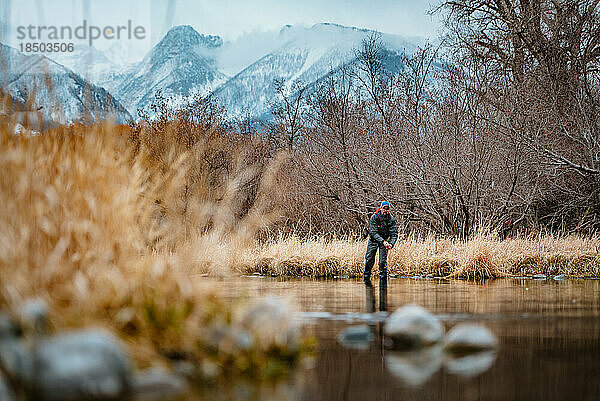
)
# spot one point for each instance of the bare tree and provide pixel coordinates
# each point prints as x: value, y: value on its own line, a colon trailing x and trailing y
x: 288, y: 111
x: 543, y: 59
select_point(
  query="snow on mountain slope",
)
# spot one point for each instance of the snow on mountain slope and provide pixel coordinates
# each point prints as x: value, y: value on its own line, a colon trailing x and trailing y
x: 125, y: 53
x: 185, y: 63
x: 86, y: 61
x: 94, y: 66
x: 55, y: 91
x: 307, y: 55
x: 181, y: 64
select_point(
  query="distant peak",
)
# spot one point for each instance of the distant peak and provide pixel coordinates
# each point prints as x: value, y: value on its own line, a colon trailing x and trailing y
x: 331, y: 24
x: 334, y: 26
x: 212, y: 40
x: 182, y: 30
x: 321, y: 27
x: 187, y: 35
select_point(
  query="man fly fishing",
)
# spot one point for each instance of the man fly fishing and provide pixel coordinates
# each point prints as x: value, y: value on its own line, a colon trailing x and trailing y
x: 383, y: 233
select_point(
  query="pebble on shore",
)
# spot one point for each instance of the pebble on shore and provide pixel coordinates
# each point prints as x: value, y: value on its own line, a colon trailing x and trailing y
x: 72, y: 366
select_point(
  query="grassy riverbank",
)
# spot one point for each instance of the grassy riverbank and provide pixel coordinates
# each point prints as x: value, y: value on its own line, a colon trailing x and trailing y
x: 482, y: 256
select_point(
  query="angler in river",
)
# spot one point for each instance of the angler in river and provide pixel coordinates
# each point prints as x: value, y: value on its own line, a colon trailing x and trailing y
x: 383, y: 234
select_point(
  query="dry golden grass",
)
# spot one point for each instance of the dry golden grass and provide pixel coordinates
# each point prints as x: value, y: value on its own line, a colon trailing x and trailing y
x: 482, y: 256
x: 104, y: 233
x: 313, y: 257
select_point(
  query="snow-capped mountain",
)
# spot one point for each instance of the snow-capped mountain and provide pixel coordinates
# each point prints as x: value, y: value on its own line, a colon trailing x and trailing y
x: 307, y: 55
x: 181, y: 64
x: 55, y: 91
x: 185, y: 63
x: 94, y: 66
x: 87, y: 61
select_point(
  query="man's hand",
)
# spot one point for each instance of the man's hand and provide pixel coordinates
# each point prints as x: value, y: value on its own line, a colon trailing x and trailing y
x: 387, y: 245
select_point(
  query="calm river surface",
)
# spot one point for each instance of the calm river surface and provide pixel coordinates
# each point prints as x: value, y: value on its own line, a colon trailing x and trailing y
x: 549, y: 335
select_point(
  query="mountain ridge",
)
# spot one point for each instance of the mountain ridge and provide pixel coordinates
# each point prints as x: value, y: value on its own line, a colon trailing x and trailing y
x: 38, y: 81
x: 308, y: 55
x: 185, y: 63
x: 179, y: 65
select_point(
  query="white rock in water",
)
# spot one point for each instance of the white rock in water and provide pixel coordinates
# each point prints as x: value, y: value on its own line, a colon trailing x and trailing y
x: 34, y: 316
x: 411, y: 326
x: 468, y: 337
x: 79, y: 366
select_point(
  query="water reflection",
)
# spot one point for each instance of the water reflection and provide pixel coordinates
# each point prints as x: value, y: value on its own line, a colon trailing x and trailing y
x: 248, y: 391
x: 370, y: 303
x: 470, y: 365
x: 414, y: 368
x: 548, y: 332
x: 370, y: 296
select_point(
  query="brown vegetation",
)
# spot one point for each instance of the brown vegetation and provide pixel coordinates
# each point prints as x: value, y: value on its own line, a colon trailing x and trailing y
x: 479, y: 257
x: 103, y: 227
x: 497, y: 129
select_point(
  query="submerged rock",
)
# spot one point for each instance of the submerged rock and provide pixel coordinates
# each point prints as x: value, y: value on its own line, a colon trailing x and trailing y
x: 470, y: 365
x: 357, y: 337
x: 80, y: 365
x: 414, y: 368
x: 468, y: 337
x: 411, y: 326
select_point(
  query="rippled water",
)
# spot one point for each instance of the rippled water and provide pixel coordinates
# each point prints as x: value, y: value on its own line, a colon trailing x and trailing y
x: 548, y: 330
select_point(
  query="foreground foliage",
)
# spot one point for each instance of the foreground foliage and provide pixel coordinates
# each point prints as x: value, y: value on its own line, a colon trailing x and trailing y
x: 104, y: 232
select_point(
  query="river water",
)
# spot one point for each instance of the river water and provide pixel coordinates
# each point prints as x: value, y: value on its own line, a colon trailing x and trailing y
x: 548, y: 332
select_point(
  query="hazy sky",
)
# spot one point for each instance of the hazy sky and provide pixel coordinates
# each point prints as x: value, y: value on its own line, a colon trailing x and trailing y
x: 251, y: 21
x: 231, y: 18
x: 228, y: 18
